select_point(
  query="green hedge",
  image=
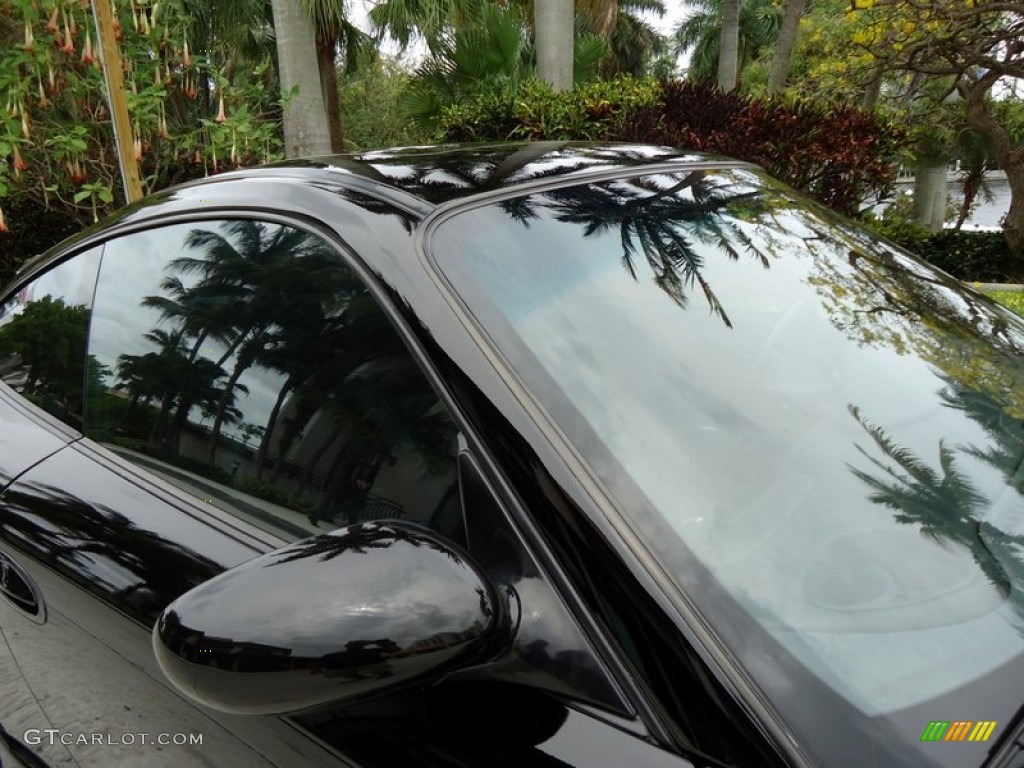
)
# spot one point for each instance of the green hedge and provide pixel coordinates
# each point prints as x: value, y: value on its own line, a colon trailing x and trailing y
x: 973, y: 256
x: 838, y: 154
x: 531, y: 111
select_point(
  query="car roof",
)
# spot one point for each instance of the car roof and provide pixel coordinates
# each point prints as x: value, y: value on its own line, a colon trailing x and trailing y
x: 438, y: 175
x: 416, y: 179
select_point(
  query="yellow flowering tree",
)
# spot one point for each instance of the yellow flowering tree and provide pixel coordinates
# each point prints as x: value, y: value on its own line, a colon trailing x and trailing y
x: 972, y: 46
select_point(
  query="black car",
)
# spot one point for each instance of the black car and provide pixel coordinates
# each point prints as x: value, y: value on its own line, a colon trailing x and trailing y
x: 511, y: 455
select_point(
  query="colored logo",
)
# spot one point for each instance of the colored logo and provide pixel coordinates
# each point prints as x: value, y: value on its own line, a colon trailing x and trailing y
x: 958, y: 730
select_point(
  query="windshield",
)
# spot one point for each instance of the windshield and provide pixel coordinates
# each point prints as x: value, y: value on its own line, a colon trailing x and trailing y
x: 822, y: 424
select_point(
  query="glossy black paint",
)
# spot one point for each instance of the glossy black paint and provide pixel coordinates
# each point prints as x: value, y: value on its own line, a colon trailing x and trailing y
x: 134, y: 547
x: 20, y: 590
x: 333, y: 618
x: 27, y: 436
x: 668, y: 696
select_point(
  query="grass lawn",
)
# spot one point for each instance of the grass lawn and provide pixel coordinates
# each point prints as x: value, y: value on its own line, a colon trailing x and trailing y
x: 1012, y: 299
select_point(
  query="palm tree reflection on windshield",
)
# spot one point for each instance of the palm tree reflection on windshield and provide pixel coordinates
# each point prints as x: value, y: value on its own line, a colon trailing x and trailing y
x: 944, y: 503
x: 671, y: 230
x: 1006, y: 451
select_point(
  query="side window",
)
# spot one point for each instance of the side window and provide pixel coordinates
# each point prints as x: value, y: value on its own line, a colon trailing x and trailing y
x: 43, y: 329
x: 246, y: 363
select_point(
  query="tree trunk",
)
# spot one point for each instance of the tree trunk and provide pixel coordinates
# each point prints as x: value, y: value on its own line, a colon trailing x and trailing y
x: 128, y: 412
x: 329, y: 81
x: 261, y: 454
x: 729, y: 48
x: 244, y: 361
x: 553, y: 35
x: 306, y: 131
x: 156, y: 434
x: 1013, y: 222
x: 605, y: 15
x: 930, y: 189
x: 1010, y: 158
x: 784, y: 46
x: 871, y: 93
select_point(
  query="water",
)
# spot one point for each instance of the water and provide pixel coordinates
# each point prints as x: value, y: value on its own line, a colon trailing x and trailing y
x: 987, y: 213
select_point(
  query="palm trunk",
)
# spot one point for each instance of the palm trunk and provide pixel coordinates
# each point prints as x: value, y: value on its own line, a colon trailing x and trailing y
x: 329, y: 84
x: 128, y: 411
x: 195, y: 347
x: 261, y: 454
x: 930, y: 190
x: 784, y: 46
x: 161, y: 421
x: 729, y: 47
x: 553, y: 34
x: 306, y: 131
x: 222, y: 407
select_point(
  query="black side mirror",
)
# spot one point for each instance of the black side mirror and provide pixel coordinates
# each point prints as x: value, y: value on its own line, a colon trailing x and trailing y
x: 336, y: 617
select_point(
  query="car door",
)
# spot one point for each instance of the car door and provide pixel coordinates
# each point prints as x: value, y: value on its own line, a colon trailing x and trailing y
x: 243, y: 389
x: 99, y: 545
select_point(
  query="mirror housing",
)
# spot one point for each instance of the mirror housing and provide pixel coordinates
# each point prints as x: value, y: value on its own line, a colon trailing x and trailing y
x: 332, y: 618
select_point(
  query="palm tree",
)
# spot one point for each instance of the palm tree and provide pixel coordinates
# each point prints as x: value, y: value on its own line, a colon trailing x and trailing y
x: 306, y: 129
x: 334, y: 34
x: 663, y: 225
x: 632, y: 42
x: 305, y: 37
x: 495, y: 51
x: 784, y: 45
x: 553, y: 23
x: 266, y: 274
x: 701, y: 35
x: 201, y: 311
x: 467, y: 60
x: 431, y: 21
x: 944, y: 505
x: 729, y: 45
x: 1006, y: 432
x: 157, y: 375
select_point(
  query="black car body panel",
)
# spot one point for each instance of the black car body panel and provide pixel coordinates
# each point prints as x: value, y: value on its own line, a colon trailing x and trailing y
x: 609, y: 666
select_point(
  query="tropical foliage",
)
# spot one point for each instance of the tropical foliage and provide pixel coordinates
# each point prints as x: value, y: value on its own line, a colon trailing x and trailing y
x: 496, y: 51
x: 700, y: 35
x: 195, y: 109
x: 837, y: 154
x: 371, y: 99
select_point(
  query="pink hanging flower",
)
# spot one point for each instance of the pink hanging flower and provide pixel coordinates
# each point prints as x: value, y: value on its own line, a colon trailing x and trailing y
x: 69, y: 41
x: 87, y: 55
x: 19, y: 163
